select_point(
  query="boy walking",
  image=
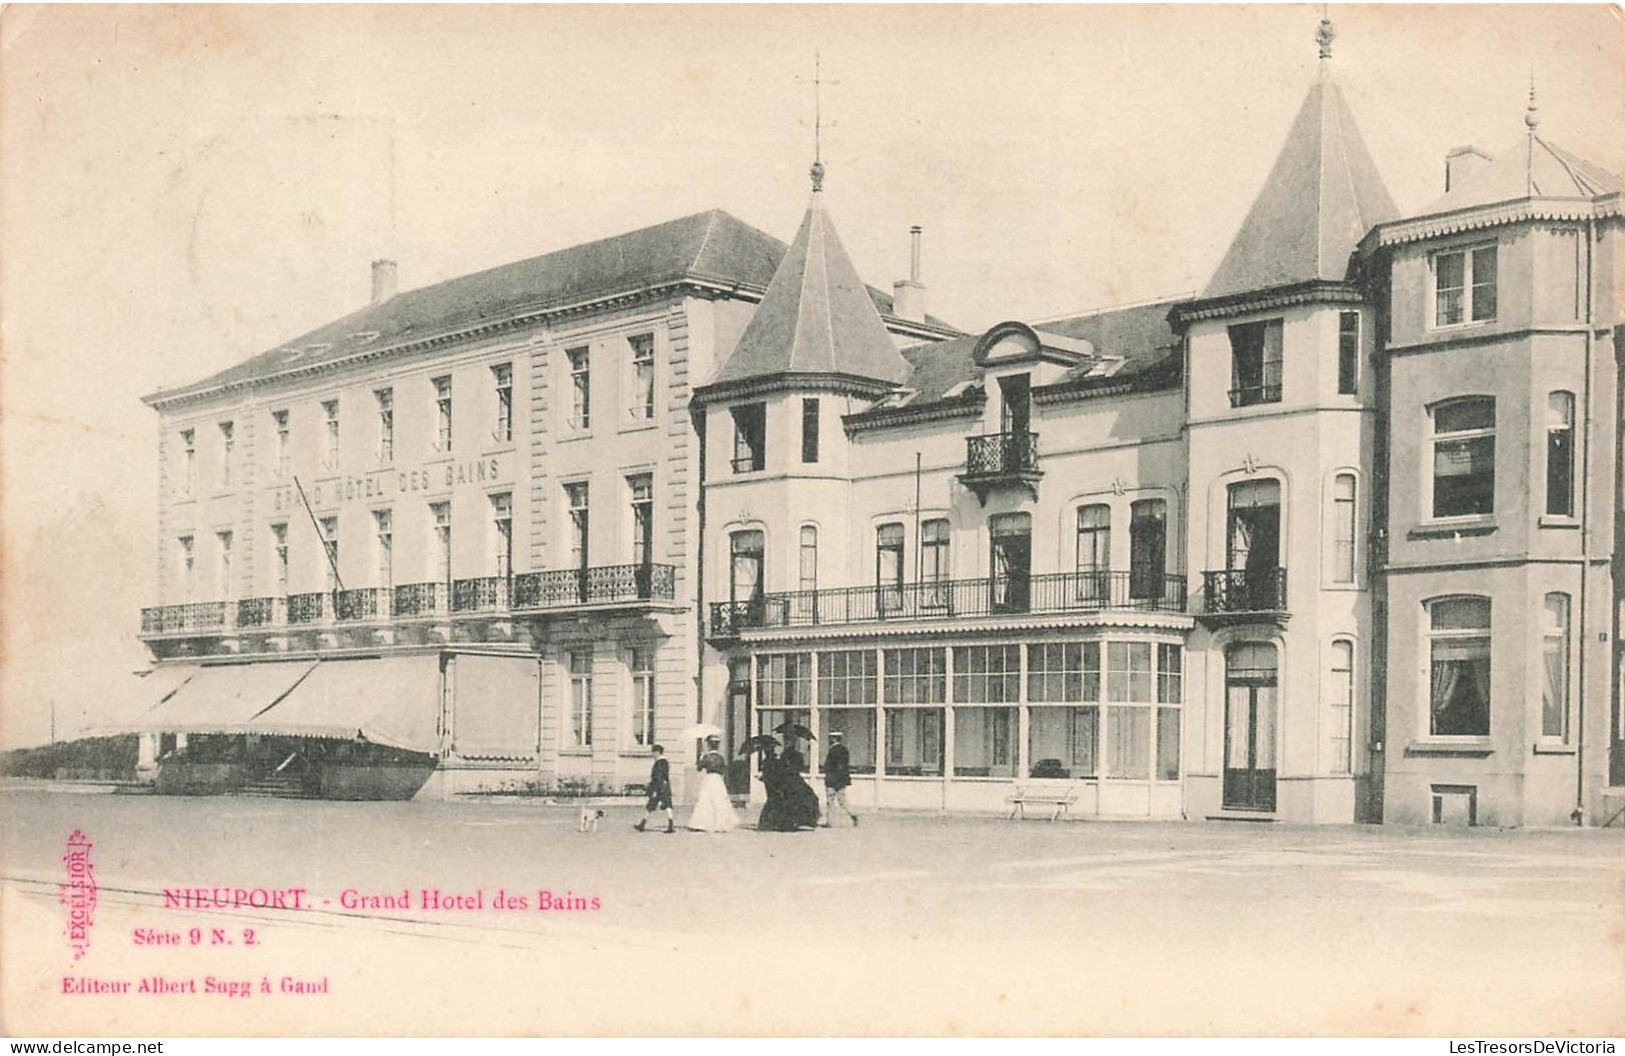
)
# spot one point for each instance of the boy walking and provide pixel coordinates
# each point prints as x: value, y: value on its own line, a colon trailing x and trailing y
x: 659, y: 792
x: 837, y: 777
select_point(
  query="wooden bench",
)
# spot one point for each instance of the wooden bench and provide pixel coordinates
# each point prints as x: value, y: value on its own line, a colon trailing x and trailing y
x: 1056, y: 798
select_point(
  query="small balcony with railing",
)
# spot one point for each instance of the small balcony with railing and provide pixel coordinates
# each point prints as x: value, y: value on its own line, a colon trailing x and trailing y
x: 951, y: 599
x: 1240, y: 595
x: 995, y: 460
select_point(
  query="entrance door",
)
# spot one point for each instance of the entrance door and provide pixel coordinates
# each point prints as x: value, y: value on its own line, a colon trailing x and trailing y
x: 1249, y: 727
x: 1011, y: 562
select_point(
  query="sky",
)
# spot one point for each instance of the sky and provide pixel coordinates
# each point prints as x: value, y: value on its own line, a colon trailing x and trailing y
x: 181, y: 188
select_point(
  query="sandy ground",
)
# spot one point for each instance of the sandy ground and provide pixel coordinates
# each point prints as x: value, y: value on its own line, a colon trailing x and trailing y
x: 910, y: 924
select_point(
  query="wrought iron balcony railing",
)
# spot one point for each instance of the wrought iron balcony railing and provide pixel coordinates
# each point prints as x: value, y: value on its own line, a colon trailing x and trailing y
x: 1001, y: 454
x: 598, y: 585
x: 308, y: 608
x: 419, y: 599
x: 953, y: 598
x: 362, y: 603
x: 486, y: 594
x: 180, y: 619
x: 261, y: 612
x: 1244, y: 590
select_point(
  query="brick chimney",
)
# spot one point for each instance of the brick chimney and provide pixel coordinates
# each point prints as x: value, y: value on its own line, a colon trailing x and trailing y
x: 908, y: 295
x: 383, y: 280
x: 1462, y: 164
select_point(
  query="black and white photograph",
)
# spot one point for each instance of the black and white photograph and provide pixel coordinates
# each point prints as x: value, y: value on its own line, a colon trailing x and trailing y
x: 812, y: 521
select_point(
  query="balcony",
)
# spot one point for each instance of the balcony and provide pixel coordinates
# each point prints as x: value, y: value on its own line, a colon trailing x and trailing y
x: 1240, y: 595
x: 528, y: 592
x: 1001, y: 460
x: 1252, y: 395
x: 1059, y: 592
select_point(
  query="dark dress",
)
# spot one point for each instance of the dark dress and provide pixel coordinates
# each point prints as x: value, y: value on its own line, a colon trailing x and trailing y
x: 791, y: 803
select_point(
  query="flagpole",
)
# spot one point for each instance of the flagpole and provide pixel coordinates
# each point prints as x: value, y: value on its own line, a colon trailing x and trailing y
x: 338, y: 583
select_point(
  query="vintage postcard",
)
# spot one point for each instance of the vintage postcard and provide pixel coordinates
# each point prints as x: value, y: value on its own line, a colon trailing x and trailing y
x: 861, y: 520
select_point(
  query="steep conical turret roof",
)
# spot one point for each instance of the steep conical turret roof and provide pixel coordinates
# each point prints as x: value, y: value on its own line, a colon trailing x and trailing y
x: 1320, y: 199
x: 816, y: 316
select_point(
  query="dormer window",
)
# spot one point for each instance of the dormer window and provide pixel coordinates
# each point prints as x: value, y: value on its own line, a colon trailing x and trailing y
x: 1255, y: 363
x: 1464, y: 286
x: 750, y: 437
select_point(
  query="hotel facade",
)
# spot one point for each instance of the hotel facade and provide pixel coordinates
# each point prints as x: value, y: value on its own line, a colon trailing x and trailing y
x: 1336, y: 540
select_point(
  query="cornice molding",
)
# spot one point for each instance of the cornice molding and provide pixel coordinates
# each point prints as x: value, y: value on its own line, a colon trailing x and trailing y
x: 768, y: 384
x: 1315, y: 291
x: 1523, y: 210
x: 968, y: 405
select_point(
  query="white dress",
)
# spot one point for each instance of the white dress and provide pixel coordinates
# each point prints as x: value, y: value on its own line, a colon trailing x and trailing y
x: 712, y: 810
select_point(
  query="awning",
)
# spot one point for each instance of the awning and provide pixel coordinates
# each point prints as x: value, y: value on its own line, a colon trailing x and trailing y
x: 392, y: 701
x: 224, y: 698
x: 147, y: 692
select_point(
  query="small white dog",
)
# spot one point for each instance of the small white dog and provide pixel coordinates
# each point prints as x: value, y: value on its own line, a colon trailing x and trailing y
x: 589, y: 819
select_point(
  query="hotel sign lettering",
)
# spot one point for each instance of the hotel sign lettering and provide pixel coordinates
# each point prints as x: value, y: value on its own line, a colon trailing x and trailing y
x: 429, y: 478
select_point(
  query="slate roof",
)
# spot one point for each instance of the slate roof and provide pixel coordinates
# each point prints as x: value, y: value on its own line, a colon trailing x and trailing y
x: 1320, y: 199
x: 710, y: 246
x: 816, y: 316
x: 1532, y: 168
x: 1140, y: 335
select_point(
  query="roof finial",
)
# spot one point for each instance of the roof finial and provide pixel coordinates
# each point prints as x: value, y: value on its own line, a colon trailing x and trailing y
x: 1324, y: 33
x: 817, y: 170
x: 1532, y: 116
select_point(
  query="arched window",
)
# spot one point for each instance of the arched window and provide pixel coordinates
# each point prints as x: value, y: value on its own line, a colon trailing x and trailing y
x: 1464, y: 457
x: 1560, y: 454
x: 1459, y: 667
x: 1094, y: 552
x: 1554, y: 686
x: 746, y: 571
x: 808, y: 580
x: 1340, y: 707
x: 1343, y: 528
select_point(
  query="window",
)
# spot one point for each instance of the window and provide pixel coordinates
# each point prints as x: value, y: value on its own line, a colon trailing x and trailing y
x: 1464, y: 457
x: 1147, y: 549
x: 1459, y: 678
x: 1554, y: 688
x: 641, y: 664
x: 330, y: 544
x: 915, y: 676
x: 188, y: 559
x: 1348, y: 353
x: 279, y: 423
x: 1063, y: 672
x: 750, y: 437
x: 642, y: 408
x: 848, y: 678
x: 641, y: 487
x: 580, y: 661
x: 222, y: 542
x: 188, y: 461
x: 502, y: 533
x: 386, y: 425
x: 580, y: 360
x: 442, y: 413
x: 809, y: 430
x: 1343, y: 528
x: 1464, y: 286
x: 1170, y: 691
x: 1340, y: 708
x: 784, y: 695
x: 1170, y: 674
x: 808, y: 576
x: 330, y: 437
x: 1560, y: 454
x: 440, y: 517
x: 934, y: 561
x: 1128, y: 729
x: 383, y: 526
x: 228, y: 451
x: 985, y: 742
x: 1063, y: 742
x: 1094, y: 552
x: 987, y: 674
x: 1128, y: 671
x: 914, y: 742
x: 576, y: 497
x: 1255, y: 363
x: 279, y: 557
x: 858, y: 726
x: 889, y: 566
x: 745, y: 549
x: 502, y: 381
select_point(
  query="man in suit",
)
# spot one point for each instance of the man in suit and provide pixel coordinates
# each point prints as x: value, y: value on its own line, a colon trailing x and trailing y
x: 659, y: 792
x: 837, y: 777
